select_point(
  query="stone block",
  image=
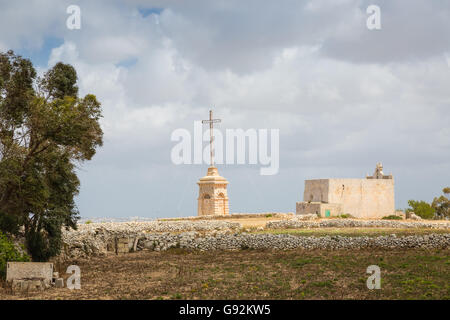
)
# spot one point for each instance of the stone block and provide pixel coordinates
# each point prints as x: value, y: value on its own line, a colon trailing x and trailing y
x: 29, y: 285
x: 29, y: 270
x: 59, y: 283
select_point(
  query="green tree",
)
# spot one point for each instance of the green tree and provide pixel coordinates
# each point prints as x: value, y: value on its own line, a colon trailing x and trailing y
x: 46, y: 130
x: 421, y: 208
x: 442, y: 204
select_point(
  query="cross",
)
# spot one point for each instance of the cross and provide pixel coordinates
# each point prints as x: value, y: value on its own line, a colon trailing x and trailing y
x: 211, y: 136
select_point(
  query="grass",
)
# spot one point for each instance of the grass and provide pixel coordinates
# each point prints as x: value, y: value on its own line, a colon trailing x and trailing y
x: 294, y: 274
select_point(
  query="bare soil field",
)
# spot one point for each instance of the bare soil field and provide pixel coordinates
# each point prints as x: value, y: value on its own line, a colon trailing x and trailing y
x: 247, y: 274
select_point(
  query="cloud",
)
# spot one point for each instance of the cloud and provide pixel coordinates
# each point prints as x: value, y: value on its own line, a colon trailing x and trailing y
x: 342, y: 96
x: 410, y: 30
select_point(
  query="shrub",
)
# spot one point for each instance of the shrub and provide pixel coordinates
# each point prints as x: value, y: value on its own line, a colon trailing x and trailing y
x: 9, y: 252
x: 345, y: 216
x: 269, y: 215
x: 392, y: 217
x: 421, y: 208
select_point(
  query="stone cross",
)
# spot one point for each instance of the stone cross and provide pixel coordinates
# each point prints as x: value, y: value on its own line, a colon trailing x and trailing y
x: 211, y: 136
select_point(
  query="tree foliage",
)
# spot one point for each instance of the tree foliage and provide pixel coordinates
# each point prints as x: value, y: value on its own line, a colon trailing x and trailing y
x: 442, y: 204
x: 10, y: 252
x: 421, y: 208
x: 45, y: 130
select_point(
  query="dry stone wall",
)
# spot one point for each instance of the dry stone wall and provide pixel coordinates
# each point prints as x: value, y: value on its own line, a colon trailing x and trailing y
x: 109, y: 238
x: 113, y: 237
x: 353, y: 223
x: 280, y: 215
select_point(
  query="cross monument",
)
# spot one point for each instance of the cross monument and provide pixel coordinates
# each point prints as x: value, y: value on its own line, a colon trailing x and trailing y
x: 212, y: 196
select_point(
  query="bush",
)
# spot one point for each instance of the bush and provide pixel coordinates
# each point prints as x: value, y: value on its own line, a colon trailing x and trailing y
x: 392, y: 217
x: 9, y: 252
x: 345, y: 216
x: 421, y: 208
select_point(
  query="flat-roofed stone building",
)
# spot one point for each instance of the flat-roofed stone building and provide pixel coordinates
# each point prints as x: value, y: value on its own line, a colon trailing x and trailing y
x: 372, y: 197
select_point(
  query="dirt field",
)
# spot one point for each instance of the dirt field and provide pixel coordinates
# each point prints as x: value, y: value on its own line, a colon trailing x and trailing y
x: 296, y: 274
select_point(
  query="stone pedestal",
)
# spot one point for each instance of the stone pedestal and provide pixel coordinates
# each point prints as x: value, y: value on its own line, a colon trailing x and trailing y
x: 212, y: 197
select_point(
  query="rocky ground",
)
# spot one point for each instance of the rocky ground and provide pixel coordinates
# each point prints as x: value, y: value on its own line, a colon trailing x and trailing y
x: 256, y: 274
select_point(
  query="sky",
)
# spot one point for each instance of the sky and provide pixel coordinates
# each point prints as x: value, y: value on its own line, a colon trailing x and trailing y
x: 343, y: 97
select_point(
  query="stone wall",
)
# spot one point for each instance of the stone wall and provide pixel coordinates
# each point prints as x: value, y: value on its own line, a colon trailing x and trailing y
x: 353, y: 223
x: 316, y: 190
x: 242, y: 241
x: 281, y: 215
x: 363, y: 198
x: 103, y: 238
x: 319, y: 208
x: 114, y: 237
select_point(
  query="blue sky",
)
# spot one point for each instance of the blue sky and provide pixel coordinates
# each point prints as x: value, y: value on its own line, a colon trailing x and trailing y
x: 39, y: 56
x: 343, y: 97
x: 148, y: 11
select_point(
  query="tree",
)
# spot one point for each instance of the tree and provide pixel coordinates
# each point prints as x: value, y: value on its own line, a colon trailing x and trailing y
x: 442, y: 204
x: 421, y: 208
x: 46, y: 129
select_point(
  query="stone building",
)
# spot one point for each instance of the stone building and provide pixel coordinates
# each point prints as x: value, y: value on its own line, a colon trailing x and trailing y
x: 372, y: 197
x: 212, y: 197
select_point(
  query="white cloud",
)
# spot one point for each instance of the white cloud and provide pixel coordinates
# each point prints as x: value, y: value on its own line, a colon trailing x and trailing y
x: 292, y: 67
